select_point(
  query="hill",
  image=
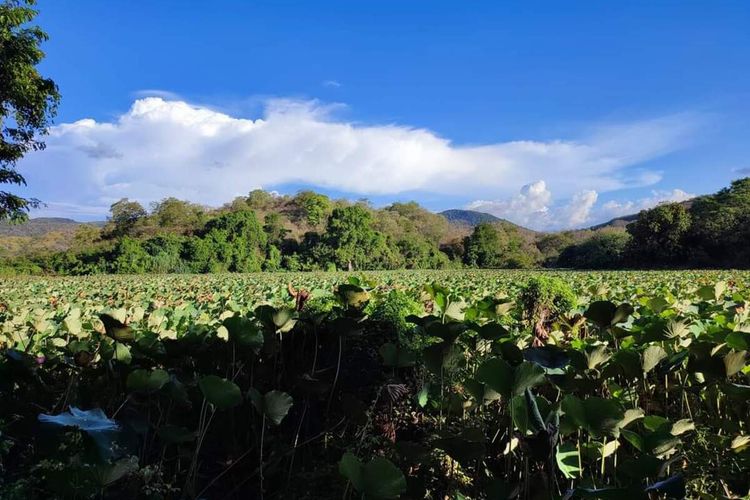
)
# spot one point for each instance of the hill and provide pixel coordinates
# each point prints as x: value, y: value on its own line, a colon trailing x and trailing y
x: 39, y: 235
x: 468, y: 217
x: 38, y: 227
x: 617, y: 222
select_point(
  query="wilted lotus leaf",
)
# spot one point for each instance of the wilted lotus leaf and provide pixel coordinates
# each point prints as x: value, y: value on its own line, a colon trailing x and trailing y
x: 353, y: 295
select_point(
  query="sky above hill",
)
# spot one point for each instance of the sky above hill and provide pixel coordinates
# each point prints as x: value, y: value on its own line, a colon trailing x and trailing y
x: 549, y: 114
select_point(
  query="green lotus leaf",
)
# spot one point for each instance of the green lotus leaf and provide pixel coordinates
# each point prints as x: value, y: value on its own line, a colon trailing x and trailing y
x: 395, y: 356
x: 274, y: 405
x: 141, y: 380
x: 174, y: 434
x: 466, y: 447
x: 497, y: 374
x: 116, y: 329
x: 220, y: 392
x: 601, y: 312
x: 377, y: 479
x: 599, y: 417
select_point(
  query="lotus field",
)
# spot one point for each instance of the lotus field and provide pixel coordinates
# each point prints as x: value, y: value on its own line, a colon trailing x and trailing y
x: 411, y: 384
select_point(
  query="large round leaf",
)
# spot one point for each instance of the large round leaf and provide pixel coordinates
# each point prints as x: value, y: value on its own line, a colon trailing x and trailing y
x: 244, y: 332
x: 147, y: 381
x: 378, y: 479
x: 274, y: 405
x: 116, y: 329
x: 395, y: 356
x: 598, y: 416
x: 220, y: 392
x: 497, y: 374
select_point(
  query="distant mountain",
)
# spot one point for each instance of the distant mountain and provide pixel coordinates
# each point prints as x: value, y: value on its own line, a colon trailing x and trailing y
x: 468, y: 217
x: 38, y: 227
x: 617, y: 222
x: 42, y: 225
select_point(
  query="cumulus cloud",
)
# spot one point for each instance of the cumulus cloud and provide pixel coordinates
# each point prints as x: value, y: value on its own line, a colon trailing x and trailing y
x: 578, y: 210
x: 614, y: 209
x: 533, y: 207
x: 528, y: 208
x: 165, y: 147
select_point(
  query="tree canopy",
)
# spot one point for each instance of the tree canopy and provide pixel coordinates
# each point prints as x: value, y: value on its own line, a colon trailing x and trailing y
x: 28, y: 101
x: 178, y: 236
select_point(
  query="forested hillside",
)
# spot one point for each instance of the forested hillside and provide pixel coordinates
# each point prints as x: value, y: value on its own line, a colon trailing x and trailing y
x: 309, y: 231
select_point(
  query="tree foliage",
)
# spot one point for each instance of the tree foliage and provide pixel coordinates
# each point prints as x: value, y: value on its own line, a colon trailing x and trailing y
x: 178, y: 236
x: 28, y: 101
x: 658, y: 235
x: 603, y: 250
x: 125, y: 214
x: 313, y: 207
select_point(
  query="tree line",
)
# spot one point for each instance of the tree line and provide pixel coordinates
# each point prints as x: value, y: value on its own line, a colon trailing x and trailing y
x: 309, y: 231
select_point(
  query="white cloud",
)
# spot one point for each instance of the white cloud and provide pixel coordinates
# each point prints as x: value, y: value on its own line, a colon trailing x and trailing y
x: 164, y: 94
x: 613, y: 209
x: 332, y: 83
x: 533, y: 207
x: 164, y: 147
x: 528, y: 208
x: 578, y: 211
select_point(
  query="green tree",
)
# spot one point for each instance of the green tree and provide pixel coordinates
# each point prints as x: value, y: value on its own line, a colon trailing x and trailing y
x: 721, y: 226
x: 418, y: 253
x: 412, y: 218
x: 259, y: 199
x: 351, y: 242
x: 124, y: 215
x: 552, y: 244
x: 498, y: 245
x: 86, y: 236
x: 313, y: 207
x: 166, y: 253
x: 273, y: 225
x: 28, y: 101
x: 603, y: 250
x: 237, y: 242
x: 482, y: 248
x: 658, y: 236
x: 174, y: 213
x: 129, y: 257
x: 273, y: 259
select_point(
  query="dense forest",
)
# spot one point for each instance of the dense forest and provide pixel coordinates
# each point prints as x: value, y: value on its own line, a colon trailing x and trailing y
x: 309, y: 231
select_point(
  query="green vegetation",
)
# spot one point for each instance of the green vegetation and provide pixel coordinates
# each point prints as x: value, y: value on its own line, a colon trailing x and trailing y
x: 28, y: 101
x: 310, y: 232
x: 424, y: 384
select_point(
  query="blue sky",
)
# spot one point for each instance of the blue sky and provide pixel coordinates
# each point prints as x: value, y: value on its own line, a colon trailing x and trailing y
x: 551, y: 114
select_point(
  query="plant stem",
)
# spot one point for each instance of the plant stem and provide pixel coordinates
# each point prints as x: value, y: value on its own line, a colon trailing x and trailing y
x: 262, y: 436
